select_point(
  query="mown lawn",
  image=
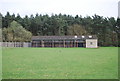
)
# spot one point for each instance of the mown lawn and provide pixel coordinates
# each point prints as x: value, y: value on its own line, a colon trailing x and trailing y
x: 60, y: 63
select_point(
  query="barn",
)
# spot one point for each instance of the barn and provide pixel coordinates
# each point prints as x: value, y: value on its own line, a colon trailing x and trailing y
x: 88, y: 41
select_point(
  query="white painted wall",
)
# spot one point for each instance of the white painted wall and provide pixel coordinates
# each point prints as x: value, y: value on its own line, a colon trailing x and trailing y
x: 91, y: 43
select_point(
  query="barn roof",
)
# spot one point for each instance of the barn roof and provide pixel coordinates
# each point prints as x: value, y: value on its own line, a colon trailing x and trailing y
x: 64, y: 37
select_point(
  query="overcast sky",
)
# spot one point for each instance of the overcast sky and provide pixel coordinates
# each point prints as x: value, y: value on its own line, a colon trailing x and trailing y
x: 106, y: 8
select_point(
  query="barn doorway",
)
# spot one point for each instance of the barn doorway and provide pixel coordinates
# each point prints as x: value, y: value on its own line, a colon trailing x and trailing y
x: 81, y: 43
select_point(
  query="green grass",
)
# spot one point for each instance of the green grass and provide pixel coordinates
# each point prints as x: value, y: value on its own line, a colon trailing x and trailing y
x: 60, y: 63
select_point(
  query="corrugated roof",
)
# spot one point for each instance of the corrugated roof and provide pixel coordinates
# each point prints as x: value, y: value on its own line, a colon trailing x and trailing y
x: 63, y: 37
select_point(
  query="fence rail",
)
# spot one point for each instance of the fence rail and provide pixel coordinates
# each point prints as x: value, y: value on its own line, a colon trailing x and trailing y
x: 15, y: 44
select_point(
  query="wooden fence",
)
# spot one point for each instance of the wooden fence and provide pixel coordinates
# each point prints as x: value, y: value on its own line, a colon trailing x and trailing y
x: 15, y: 44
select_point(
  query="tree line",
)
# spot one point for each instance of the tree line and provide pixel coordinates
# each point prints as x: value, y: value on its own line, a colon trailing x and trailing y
x: 107, y: 29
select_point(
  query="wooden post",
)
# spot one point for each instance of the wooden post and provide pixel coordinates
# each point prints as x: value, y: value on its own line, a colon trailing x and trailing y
x: 42, y: 43
x: 52, y: 43
x: 58, y: 43
x: 74, y: 43
x: 48, y: 43
x: 64, y: 43
x: 77, y: 44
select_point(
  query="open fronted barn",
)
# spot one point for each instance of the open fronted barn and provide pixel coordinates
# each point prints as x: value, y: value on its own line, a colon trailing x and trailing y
x: 65, y: 41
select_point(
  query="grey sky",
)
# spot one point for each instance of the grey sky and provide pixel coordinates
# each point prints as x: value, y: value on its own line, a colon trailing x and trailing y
x: 106, y: 8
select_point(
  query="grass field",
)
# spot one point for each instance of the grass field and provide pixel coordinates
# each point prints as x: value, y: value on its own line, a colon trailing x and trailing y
x: 60, y: 63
